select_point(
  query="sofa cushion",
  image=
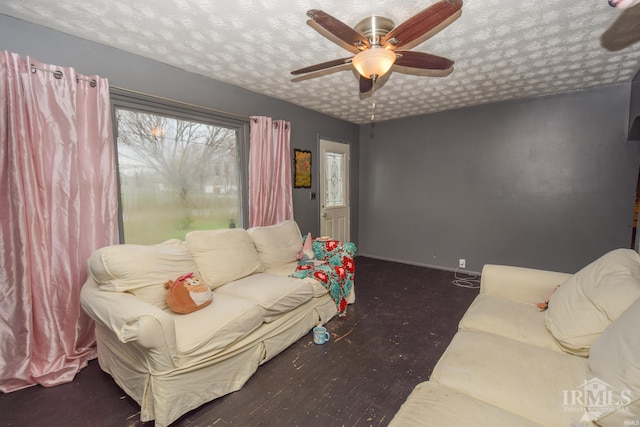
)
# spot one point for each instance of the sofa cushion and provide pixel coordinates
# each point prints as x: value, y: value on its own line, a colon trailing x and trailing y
x: 205, y: 332
x: 432, y: 404
x: 508, y: 318
x: 287, y: 269
x: 141, y: 269
x: 521, y: 378
x: 586, y: 303
x: 277, y: 244
x: 614, y: 360
x: 283, y: 269
x: 223, y: 256
x: 274, y: 294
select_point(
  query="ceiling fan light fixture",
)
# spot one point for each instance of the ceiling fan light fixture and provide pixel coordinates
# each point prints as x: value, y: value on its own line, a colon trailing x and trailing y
x: 374, y: 62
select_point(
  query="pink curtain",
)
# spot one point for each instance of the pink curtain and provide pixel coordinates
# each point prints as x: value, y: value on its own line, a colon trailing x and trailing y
x: 270, y: 198
x: 58, y: 203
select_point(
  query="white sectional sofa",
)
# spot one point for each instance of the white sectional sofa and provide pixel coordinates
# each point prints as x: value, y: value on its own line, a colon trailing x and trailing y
x: 511, y: 364
x: 171, y: 363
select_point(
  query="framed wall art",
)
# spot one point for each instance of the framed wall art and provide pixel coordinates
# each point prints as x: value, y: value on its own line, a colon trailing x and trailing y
x: 302, y: 168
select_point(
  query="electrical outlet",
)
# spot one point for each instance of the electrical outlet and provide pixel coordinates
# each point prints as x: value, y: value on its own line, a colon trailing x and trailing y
x: 462, y: 263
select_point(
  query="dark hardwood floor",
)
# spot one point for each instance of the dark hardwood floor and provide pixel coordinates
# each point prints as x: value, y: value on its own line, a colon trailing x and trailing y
x: 403, y: 319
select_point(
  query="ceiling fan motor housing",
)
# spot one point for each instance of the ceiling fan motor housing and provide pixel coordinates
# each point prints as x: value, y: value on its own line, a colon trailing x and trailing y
x: 374, y: 28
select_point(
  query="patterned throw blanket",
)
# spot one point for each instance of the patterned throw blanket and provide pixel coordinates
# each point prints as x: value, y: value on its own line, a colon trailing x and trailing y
x: 336, y: 272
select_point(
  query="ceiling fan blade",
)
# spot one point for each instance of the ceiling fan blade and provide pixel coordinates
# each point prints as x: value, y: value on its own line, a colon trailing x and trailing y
x: 366, y: 84
x: 375, y: 86
x: 422, y: 23
x: 321, y: 66
x: 422, y: 60
x: 422, y: 72
x: 338, y: 29
x: 325, y: 72
x: 325, y: 33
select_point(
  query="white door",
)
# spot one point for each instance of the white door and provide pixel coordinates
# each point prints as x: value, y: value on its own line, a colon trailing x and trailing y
x: 334, y: 190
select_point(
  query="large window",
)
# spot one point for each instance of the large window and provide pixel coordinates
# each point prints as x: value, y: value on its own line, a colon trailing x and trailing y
x: 180, y: 169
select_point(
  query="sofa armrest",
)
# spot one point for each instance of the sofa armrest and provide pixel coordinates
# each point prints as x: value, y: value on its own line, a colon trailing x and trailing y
x: 133, y: 320
x: 522, y: 284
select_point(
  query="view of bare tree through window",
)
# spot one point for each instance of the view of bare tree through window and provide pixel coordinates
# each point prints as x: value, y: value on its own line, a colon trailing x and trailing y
x: 175, y: 176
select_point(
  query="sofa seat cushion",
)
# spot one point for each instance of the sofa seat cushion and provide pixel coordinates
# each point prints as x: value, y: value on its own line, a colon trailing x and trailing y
x: 287, y: 269
x: 204, y: 332
x: 584, y: 305
x: 521, y: 378
x: 434, y: 405
x: 141, y: 269
x: 277, y: 244
x: 510, y: 319
x: 614, y: 361
x: 223, y: 255
x: 274, y: 294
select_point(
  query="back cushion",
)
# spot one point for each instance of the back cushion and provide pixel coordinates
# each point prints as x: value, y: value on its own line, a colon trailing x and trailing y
x: 277, y: 244
x: 586, y: 303
x: 141, y: 269
x: 223, y: 255
x: 614, y: 360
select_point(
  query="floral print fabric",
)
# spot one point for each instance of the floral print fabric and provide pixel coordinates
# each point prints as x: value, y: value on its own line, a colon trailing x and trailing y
x: 336, y: 272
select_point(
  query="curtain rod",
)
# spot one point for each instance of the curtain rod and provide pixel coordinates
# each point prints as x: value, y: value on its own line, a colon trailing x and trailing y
x: 275, y: 123
x: 58, y: 75
x: 92, y: 82
x: 173, y: 101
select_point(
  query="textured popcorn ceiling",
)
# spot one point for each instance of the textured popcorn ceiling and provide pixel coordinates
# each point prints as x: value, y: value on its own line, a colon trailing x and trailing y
x: 502, y: 49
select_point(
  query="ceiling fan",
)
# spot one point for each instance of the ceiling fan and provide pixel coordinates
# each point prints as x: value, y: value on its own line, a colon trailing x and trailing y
x: 380, y: 46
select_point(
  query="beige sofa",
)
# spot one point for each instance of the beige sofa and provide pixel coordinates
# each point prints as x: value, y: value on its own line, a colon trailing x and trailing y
x: 171, y: 363
x: 510, y: 364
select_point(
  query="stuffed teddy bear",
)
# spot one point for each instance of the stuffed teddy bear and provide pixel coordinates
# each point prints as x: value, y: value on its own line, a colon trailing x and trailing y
x: 187, y: 294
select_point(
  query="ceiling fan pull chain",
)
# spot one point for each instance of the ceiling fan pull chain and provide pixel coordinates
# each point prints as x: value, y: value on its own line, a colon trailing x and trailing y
x: 373, y: 102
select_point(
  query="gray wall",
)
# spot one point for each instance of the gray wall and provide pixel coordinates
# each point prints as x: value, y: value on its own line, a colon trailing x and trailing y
x: 544, y: 183
x: 133, y: 72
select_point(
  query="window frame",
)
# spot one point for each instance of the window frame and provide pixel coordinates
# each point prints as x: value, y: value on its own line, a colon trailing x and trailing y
x: 126, y: 99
